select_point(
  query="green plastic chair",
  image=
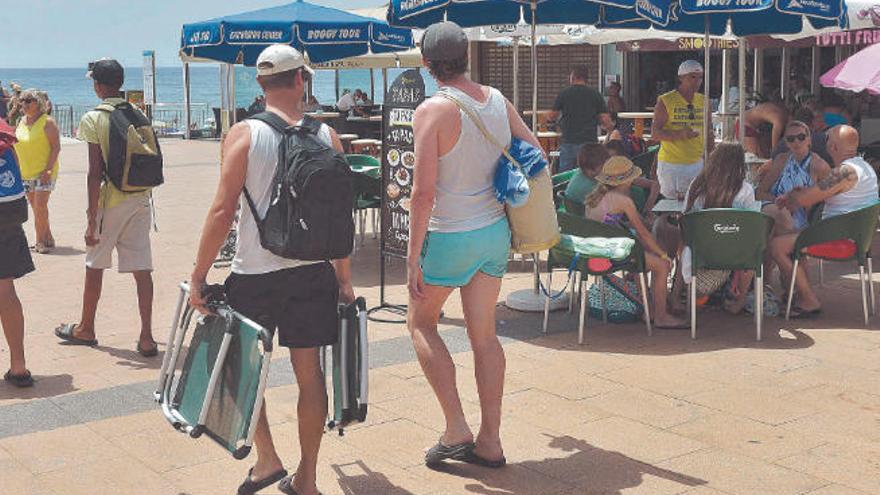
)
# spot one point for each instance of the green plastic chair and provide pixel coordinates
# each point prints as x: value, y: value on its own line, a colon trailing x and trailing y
x: 360, y: 163
x: 858, y: 226
x: 727, y: 239
x: 563, y: 254
x: 367, y: 197
x: 560, y: 183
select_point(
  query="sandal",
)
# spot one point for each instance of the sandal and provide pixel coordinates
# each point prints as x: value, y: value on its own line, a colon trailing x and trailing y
x: 250, y: 486
x: 805, y: 314
x: 65, y: 333
x: 286, y: 486
x: 41, y: 248
x: 148, y: 353
x: 473, y: 458
x: 20, y: 381
x: 439, y: 453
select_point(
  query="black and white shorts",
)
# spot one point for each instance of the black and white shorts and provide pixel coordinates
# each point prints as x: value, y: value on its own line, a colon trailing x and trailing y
x: 300, y: 303
x: 15, y: 255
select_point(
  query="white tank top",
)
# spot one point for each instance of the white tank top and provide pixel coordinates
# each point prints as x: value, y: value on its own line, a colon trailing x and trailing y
x: 862, y: 194
x: 465, y: 195
x: 250, y: 257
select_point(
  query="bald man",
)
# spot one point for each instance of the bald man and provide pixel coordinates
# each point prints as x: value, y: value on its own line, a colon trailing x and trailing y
x: 851, y: 185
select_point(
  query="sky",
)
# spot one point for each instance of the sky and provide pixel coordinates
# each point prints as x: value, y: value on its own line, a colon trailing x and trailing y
x: 71, y: 33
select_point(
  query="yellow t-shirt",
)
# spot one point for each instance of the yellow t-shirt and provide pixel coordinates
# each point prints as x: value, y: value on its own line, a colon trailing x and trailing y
x: 33, y: 148
x: 94, y: 128
x: 681, y: 115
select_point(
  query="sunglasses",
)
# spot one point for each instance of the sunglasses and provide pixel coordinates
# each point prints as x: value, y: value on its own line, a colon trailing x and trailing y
x: 691, y: 114
x: 27, y: 100
x: 796, y: 137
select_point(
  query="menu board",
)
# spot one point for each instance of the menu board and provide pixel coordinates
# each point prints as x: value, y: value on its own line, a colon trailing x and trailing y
x: 398, y: 159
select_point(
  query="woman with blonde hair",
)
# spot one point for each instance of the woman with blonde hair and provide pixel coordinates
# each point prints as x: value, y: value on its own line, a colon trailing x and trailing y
x: 610, y: 203
x: 722, y: 184
x: 38, y: 146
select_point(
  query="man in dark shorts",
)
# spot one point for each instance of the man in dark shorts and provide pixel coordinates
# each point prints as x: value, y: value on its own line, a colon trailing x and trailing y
x: 583, y: 109
x: 297, y: 299
x: 15, y: 262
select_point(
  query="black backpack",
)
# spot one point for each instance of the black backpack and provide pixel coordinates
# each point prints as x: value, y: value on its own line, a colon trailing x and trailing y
x: 310, y: 210
x: 134, y: 161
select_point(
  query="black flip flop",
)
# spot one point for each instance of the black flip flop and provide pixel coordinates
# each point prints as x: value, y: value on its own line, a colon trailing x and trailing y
x: 286, y: 486
x: 439, y: 453
x: 148, y: 353
x: 803, y: 314
x: 249, y: 486
x: 20, y: 381
x: 65, y: 333
x: 473, y: 458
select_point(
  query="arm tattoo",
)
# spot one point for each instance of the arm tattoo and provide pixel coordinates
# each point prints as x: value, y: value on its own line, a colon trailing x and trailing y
x: 836, y: 176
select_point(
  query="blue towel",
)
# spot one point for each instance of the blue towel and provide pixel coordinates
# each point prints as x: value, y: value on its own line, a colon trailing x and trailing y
x: 511, y: 185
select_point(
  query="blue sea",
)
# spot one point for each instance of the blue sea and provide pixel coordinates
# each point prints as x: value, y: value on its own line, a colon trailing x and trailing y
x: 70, y: 86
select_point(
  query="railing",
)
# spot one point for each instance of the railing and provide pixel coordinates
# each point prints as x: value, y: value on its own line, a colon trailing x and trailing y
x: 168, y: 118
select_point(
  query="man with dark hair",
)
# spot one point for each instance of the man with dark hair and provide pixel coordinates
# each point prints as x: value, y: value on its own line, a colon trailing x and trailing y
x: 115, y: 221
x: 583, y: 110
x: 459, y: 238
x: 298, y: 299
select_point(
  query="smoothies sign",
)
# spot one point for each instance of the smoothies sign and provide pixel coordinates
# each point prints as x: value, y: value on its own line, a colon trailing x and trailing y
x: 398, y: 159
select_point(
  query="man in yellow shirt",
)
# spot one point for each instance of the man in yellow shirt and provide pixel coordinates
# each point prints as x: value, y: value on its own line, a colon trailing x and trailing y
x: 678, y: 125
x: 116, y: 221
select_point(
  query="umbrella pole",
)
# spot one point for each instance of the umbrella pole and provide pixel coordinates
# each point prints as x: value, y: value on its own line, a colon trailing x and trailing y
x: 187, y: 110
x: 707, y: 104
x: 534, y: 6
x: 741, y: 68
x: 516, y: 73
x: 372, y: 86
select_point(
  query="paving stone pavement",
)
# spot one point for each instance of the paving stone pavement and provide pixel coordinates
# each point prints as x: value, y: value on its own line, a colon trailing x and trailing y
x: 798, y: 413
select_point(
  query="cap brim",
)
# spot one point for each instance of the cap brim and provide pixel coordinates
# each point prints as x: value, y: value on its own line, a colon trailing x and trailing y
x: 89, y: 75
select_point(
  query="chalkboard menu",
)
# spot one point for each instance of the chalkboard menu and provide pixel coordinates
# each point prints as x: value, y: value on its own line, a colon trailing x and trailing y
x: 398, y: 159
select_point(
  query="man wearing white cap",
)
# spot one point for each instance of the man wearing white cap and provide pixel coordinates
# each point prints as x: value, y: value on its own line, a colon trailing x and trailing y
x: 678, y: 125
x: 297, y: 299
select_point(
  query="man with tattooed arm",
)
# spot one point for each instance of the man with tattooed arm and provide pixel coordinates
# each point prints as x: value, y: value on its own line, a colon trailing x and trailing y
x: 851, y: 185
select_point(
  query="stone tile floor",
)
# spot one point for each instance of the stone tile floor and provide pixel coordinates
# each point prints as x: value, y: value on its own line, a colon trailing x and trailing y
x: 798, y: 413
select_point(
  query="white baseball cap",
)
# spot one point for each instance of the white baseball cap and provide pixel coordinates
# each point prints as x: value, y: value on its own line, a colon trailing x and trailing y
x: 689, y: 67
x: 280, y: 58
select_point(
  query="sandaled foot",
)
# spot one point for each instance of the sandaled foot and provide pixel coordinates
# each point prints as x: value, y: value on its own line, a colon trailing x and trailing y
x: 66, y: 332
x: 671, y: 324
x: 805, y: 314
x: 41, y: 248
x: 148, y: 351
x: 439, y: 453
x: 250, y: 486
x: 21, y: 381
x: 286, y: 486
x: 473, y: 458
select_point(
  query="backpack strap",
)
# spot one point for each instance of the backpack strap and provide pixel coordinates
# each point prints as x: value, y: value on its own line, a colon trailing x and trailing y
x: 275, y: 121
x: 109, y: 107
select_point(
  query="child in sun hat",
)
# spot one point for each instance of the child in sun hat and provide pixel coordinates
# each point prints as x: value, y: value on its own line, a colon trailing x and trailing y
x: 611, y: 204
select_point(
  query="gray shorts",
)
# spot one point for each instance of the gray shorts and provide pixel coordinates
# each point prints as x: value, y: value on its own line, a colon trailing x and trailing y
x: 124, y: 228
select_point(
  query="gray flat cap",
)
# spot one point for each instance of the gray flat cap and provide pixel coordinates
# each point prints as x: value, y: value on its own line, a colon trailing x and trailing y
x: 444, y: 41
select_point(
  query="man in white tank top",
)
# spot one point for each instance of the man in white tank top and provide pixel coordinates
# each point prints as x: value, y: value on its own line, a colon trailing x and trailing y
x: 296, y: 298
x: 459, y: 238
x: 850, y: 186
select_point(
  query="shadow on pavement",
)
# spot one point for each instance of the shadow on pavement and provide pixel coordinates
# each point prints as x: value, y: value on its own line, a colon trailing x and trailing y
x: 596, y: 470
x: 66, y: 251
x: 364, y: 481
x: 132, y: 359
x: 46, y: 386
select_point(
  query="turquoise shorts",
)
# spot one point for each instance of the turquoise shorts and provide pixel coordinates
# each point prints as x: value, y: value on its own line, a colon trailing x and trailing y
x: 451, y: 259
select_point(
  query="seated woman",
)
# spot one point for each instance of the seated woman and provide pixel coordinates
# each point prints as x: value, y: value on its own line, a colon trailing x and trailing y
x: 590, y: 159
x: 610, y: 203
x: 722, y: 184
x: 796, y: 169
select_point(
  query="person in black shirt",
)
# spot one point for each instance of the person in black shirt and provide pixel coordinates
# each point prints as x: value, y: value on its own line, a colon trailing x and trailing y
x: 583, y: 109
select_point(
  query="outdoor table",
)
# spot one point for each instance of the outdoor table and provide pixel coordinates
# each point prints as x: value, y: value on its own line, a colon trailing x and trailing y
x: 346, y: 140
x: 323, y: 115
x: 543, y: 117
x: 549, y: 140
x: 639, y: 117
x: 366, y: 147
x: 371, y: 118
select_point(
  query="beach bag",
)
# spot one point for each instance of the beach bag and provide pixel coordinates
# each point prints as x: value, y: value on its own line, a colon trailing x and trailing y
x: 310, y: 212
x: 134, y: 161
x: 13, y: 205
x: 623, y: 300
x: 533, y: 226
x: 772, y: 304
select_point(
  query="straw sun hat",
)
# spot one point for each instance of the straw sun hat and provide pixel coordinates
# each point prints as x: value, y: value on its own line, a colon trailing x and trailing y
x: 618, y: 170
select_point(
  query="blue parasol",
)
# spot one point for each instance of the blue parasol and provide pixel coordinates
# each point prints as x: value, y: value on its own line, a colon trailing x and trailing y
x: 322, y: 33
